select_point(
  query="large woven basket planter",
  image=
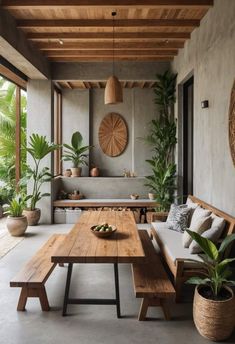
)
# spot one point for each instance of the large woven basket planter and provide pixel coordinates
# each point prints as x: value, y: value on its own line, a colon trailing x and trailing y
x: 214, y: 320
x: 153, y: 216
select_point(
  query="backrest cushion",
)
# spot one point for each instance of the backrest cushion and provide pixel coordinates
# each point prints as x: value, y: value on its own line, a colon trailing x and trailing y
x: 178, y: 217
x: 213, y: 234
x: 198, y: 214
x: 199, y: 226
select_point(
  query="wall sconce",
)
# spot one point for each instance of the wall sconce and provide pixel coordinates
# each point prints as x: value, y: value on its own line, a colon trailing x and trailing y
x: 205, y: 104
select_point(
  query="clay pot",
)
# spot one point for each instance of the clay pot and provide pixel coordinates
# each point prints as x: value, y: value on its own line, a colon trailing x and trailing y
x: 95, y: 172
x: 33, y: 216
x: 67, y: 173
x: 214, y: 320
x: 17, y: 225
x: 76, y: 171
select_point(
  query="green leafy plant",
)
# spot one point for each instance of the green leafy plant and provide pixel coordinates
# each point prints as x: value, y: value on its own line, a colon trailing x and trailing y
x: 215, y: 266
x: 162, y: 139
x: 7, y: 135
x: 17, y: 205
x: 38, y: 148
x: 76, y: 152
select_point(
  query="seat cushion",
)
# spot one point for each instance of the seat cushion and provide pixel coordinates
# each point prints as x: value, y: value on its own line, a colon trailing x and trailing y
x: 172, y: 243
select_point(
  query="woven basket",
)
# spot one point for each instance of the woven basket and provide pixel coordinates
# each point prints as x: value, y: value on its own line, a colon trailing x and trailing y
x: 214, y: 320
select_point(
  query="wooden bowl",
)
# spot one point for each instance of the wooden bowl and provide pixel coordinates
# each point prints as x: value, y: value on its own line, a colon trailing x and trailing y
x: 134, y: 196
x: 103, y: 234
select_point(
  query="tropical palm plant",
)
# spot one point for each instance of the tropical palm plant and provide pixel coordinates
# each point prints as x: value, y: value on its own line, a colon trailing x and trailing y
x: 38, y: 148
x: 215, y: 265
x: 162, y: 139
x: 7, y: 135
x: 76, y: 151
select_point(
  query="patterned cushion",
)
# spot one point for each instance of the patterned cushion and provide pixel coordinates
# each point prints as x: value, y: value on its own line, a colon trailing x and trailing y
x: 178, y: 217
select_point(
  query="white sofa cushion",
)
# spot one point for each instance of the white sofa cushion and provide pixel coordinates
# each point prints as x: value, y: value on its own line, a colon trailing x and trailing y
x: 172, y: 243
x: 201, y: 225
x: 197, y: 214
x: 213, y: 234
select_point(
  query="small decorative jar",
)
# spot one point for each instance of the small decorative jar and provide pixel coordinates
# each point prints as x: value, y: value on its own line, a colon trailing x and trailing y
x: 95, y: 172
x: 67, y: 173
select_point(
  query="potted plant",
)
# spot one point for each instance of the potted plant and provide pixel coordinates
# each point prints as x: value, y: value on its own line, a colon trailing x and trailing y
x: 16, y: 222
x: 162, y: 139
x: 76, y: 153
x: 214, y: 303
x: 38, y: 149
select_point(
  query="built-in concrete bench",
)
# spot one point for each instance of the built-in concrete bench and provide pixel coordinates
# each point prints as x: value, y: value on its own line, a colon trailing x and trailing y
x: 151, y: 282
x: 33, y: 276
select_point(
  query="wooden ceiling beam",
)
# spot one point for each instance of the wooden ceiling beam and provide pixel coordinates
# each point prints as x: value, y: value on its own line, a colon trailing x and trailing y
x: 106, y: 45
x: 109, y: 59
x: 34, y: 36
x: 71, y: 23
x: 68, y: 53
x: 42, y: 4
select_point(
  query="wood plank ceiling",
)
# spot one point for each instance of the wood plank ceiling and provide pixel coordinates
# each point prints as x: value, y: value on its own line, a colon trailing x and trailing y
x: 81, y: 30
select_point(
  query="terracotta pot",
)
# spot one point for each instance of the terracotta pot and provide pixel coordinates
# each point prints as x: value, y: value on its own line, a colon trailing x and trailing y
x: 67, y: 173
x: 95, y: 172
x: 33, y: 216
x: 76, y: 171
x: 214, y: 320
x: 17, y: 225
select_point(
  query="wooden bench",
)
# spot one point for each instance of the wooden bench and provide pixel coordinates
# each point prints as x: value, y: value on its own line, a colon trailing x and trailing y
x: 151, y: 281
x: 33, y: 276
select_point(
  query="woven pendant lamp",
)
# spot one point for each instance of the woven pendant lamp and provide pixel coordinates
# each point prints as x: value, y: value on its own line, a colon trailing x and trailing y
x: 113, y: 88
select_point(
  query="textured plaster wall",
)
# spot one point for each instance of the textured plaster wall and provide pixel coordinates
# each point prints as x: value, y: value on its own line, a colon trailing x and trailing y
x: 39, y: 109
x: 210, y: 55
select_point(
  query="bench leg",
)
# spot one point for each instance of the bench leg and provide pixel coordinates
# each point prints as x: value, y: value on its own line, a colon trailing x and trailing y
x: 143, y: 309
x: 33, y: 292
x: 165, y: 309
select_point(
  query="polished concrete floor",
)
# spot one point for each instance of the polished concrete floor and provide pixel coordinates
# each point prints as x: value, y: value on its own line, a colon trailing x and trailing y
x: 84, y: 324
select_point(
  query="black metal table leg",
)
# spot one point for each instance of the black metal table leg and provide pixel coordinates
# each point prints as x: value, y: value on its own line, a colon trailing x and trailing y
x: 67, y: 287
x: 116, y: 277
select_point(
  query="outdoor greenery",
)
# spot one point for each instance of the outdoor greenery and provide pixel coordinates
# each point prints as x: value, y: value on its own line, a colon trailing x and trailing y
x: 162, y: 139
x: 7, y: 138
x: 215, y: 265
x: 38, y: 148
x: 16, y: 206
x: 75, y: 151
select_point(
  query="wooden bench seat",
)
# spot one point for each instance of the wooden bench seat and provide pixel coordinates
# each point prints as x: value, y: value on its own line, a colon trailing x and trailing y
x: 151, y: 282
x: 33, y: 276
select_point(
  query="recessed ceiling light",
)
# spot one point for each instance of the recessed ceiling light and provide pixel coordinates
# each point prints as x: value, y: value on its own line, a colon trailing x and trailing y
x: 167, y: 41
x: 61, y: 42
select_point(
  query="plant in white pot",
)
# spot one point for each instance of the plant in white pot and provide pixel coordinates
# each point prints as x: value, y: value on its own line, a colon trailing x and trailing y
x: 214, y: 302
x: 16, y: 222
x: 38, y: 148
x: 76, y: 153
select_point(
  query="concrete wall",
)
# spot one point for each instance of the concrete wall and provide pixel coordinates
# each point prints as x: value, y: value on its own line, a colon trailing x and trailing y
x: 76, y: 113
x: 85, y: 114
x: 210, y: 56
x: 40, y: 106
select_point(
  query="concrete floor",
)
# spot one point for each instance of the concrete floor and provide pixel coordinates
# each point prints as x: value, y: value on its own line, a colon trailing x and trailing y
x: 84, y: 324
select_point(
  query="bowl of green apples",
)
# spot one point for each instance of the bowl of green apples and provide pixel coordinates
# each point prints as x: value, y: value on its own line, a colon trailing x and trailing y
x: 103, y: 230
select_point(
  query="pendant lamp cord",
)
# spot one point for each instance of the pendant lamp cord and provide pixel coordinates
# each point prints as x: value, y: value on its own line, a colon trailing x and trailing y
x: 113, y: 14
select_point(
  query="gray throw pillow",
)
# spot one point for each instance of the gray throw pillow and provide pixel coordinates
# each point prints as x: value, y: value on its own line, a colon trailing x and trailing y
x: 213, y: 234
x: 178, y: 217
x: 199, y: 227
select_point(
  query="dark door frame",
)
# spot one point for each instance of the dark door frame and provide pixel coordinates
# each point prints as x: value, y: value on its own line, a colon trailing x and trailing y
x: 181, y: 135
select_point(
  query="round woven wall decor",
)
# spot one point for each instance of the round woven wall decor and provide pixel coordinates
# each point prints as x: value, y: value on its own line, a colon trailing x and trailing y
x: 113, y: 134
x: 232, y: 123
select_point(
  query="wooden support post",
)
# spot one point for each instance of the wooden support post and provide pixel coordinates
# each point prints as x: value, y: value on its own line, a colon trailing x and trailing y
x: 18, y: 136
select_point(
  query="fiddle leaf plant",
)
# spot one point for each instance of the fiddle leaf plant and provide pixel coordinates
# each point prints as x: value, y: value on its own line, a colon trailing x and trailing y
x: 76, y: 151
x: 38, y: 148
x: 215, y: 265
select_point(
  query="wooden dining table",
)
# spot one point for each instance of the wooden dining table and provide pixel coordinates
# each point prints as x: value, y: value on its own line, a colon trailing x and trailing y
x: 81, y: 245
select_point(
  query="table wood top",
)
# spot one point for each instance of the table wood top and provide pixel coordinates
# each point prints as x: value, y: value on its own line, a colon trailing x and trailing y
x: 122, y: 202
x: 82, y: 246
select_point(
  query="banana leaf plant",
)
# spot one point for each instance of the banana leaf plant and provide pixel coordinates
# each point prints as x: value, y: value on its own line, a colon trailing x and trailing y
x: 76, y: 151
x: 215, y: 265
x: 38, y: 148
